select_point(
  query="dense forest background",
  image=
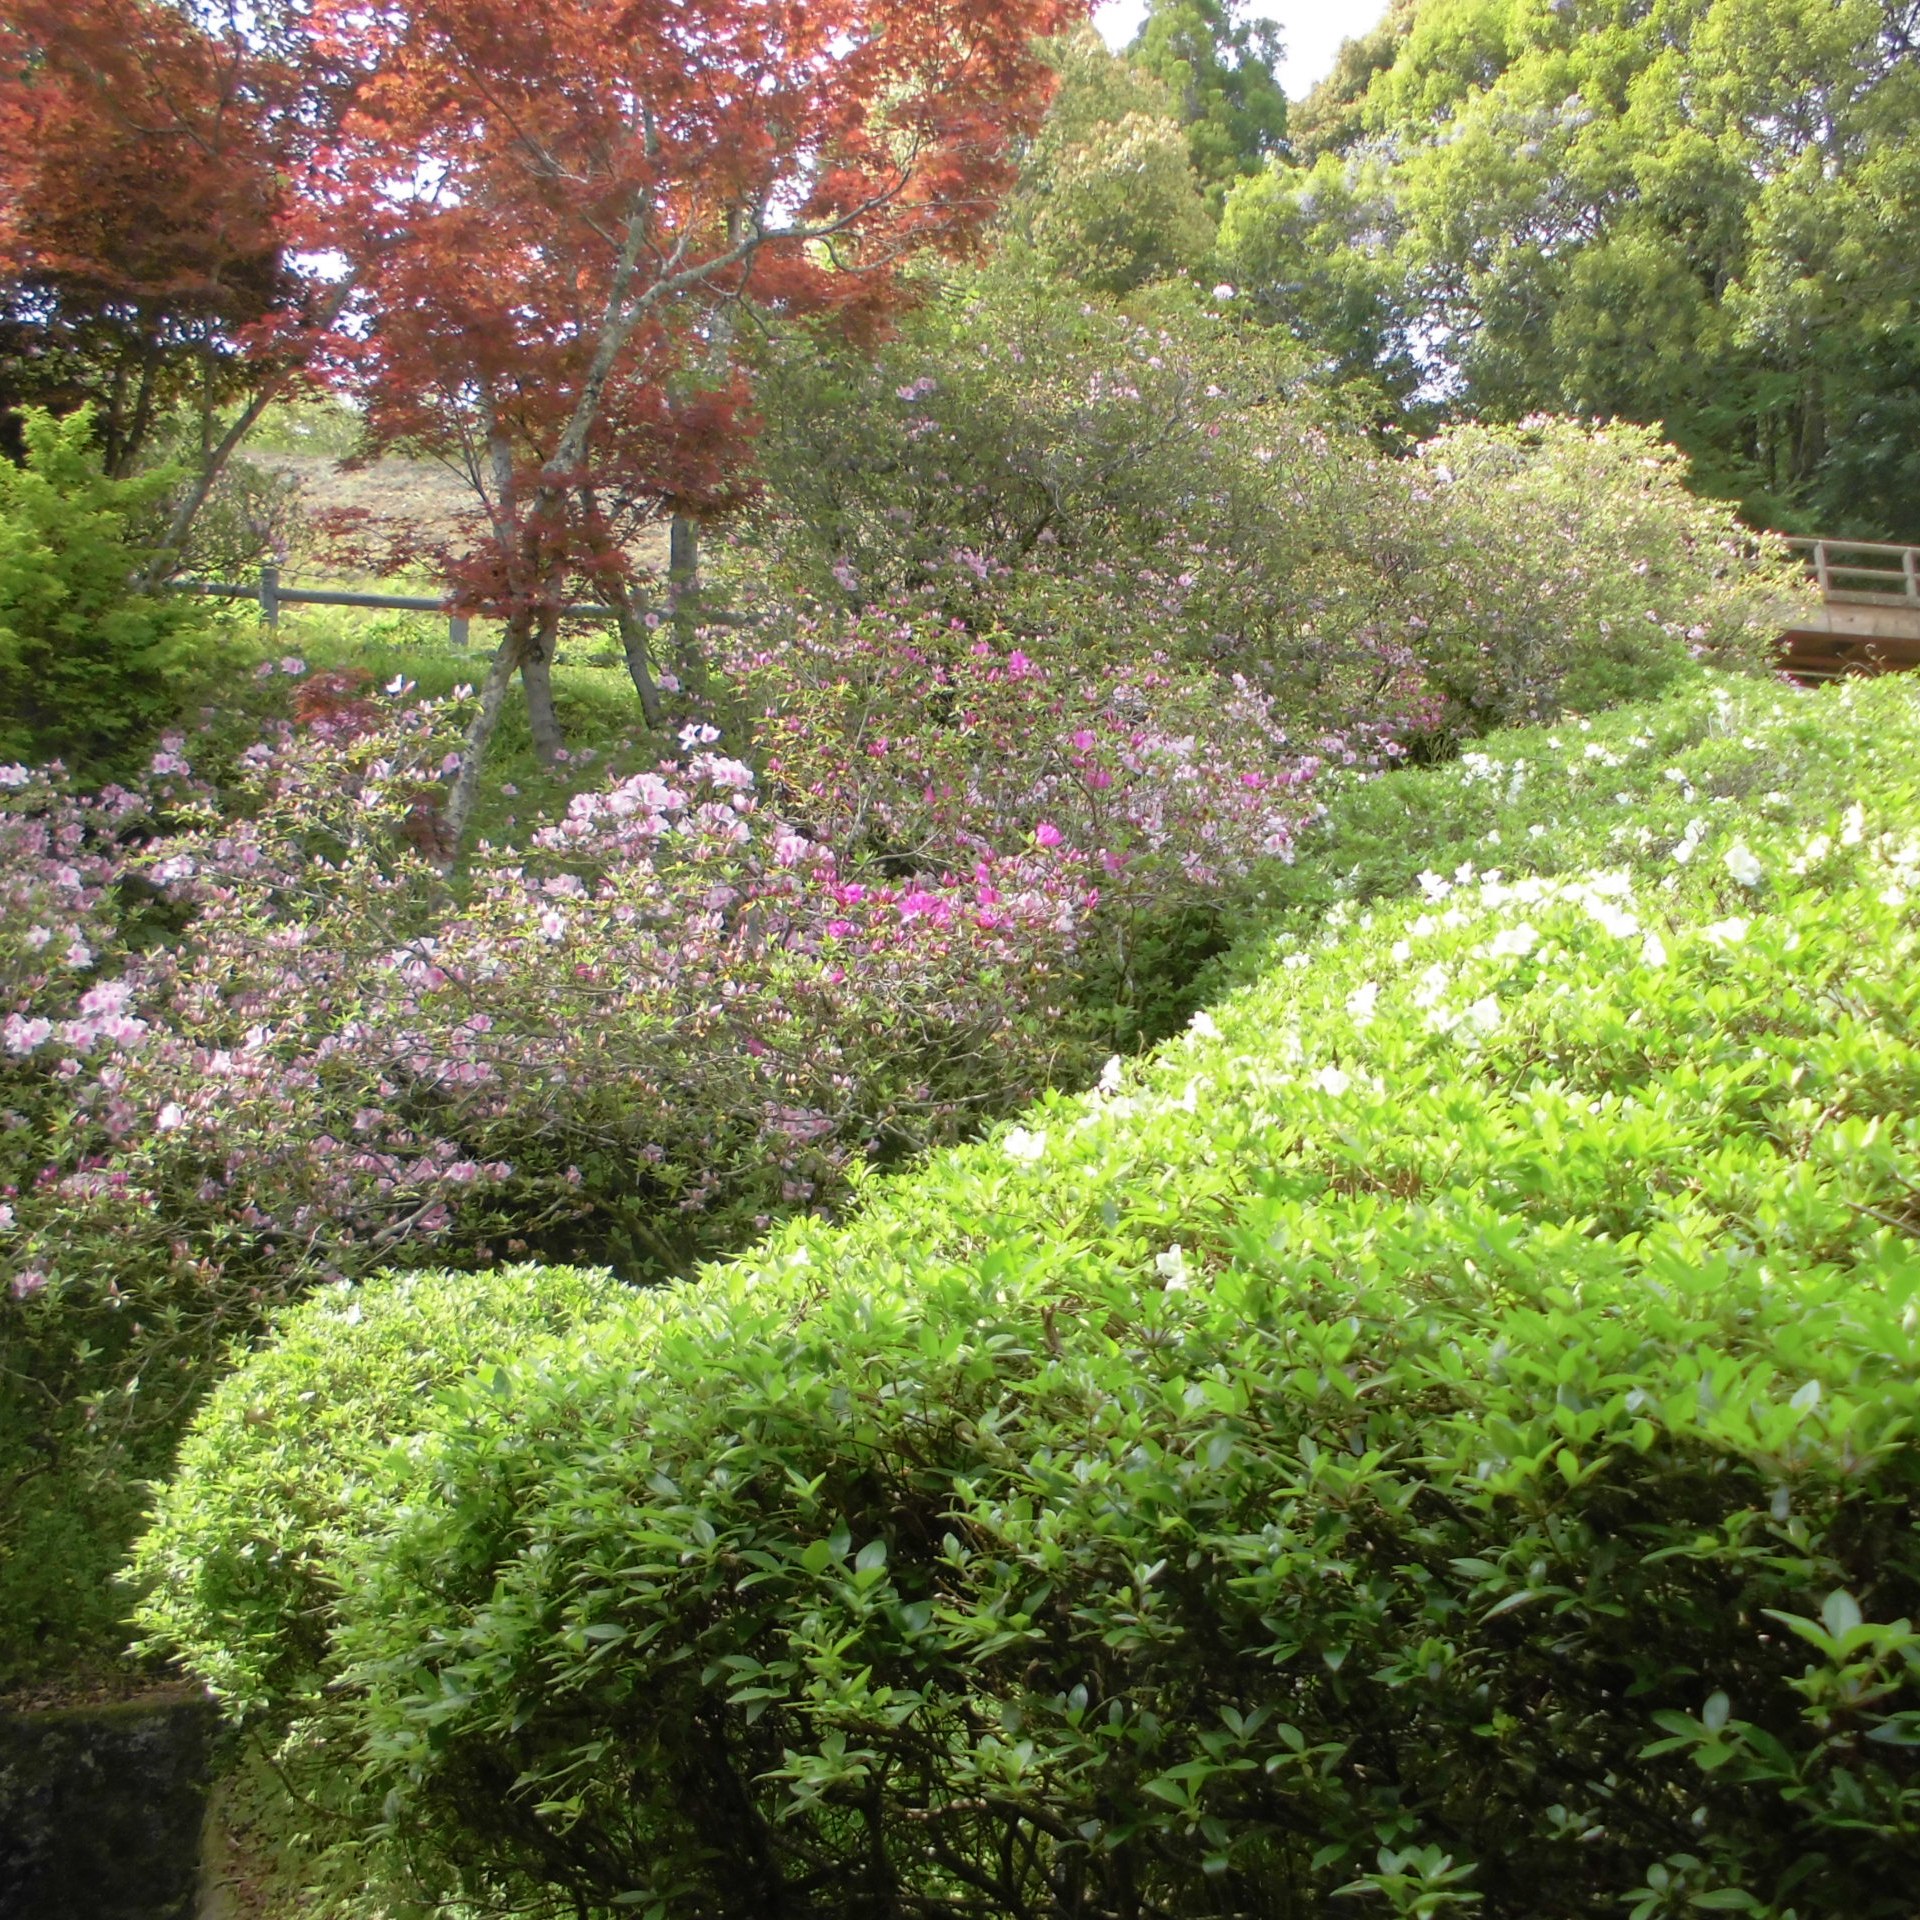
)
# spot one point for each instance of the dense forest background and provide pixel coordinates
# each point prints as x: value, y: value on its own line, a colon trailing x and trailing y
x: 1695, y: 214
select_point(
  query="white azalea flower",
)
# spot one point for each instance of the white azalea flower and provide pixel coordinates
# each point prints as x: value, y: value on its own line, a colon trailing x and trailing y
x: 1361, y: 1002
x: 1172, y: 1268
x: 1817, y: 850
x: 1653, y: 951
x: 1022, y: 1145
x: 1728, y: 933
x: 1482, y: 1017
x: 1331, y: 1080
x: 1744, y: 864
x: 1617, y: 921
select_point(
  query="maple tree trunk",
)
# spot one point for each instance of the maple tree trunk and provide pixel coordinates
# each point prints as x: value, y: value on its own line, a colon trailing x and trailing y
x: 536, y: 675
x: 166, y: 557
x: 134, y: 434
x: 683, y: 596
x: 633, y: 643
x: 633, y: 630
x: 473, y: 750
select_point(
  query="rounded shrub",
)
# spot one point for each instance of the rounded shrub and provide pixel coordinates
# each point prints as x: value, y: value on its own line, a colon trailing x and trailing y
x: 89, y: 667
x: 279, y: 1465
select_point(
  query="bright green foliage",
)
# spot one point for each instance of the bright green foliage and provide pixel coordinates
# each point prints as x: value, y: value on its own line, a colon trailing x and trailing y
x: 1441, y: 1434
x: 88, y: 668
x: 1108, y: 197
x: 1313, y: 249
x: 1697, y: 213
x: 281, y: 1458
x: 1220, y: 70
x: 1329, y: 119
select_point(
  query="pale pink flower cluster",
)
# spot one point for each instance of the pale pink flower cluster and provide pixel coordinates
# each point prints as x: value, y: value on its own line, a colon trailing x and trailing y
x: 676, y: 998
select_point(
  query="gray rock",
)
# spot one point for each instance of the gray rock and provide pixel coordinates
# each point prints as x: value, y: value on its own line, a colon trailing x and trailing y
x: 101, y: 1809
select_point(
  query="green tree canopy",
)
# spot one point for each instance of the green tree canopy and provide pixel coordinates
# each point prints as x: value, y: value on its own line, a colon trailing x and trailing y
x: 1695, y: 212
x: 1108, y: 196
x: 1220, y: 70
x: 1330, y: 119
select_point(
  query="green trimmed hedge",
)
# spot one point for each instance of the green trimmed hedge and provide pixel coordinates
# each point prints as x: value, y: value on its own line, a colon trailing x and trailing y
x: 1436, y: 1439
x: 279, y: 1468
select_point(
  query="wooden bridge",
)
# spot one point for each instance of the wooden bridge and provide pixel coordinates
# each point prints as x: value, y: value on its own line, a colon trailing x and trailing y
x: 1869, y: 619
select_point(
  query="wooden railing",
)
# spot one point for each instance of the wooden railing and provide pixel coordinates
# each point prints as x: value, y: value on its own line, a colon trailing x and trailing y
x: 1890, y: 577
x: 1869, y: 621
x: 272, y: 593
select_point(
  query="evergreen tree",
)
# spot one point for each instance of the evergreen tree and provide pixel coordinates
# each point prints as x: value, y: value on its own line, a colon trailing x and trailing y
x: 1697, y: 215
x: 1220, y: 69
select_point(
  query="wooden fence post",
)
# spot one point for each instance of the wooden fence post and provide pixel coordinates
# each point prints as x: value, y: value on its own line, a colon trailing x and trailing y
x: 270, y: 596
x: 457, y: 630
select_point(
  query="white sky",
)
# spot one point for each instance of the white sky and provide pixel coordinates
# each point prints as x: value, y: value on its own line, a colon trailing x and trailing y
x: 1311, y: 29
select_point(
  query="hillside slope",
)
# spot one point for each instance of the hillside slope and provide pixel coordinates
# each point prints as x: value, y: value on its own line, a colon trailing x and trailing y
x: 1441, y: 1432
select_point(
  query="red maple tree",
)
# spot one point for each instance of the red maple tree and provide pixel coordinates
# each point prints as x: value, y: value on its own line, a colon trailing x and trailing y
x: 557, y: 211
x: 150, y: 207
x: 520, y: 233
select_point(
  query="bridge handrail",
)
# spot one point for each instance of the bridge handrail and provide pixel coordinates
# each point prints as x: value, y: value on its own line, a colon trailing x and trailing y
x: 1905, y: 577
x: 1852, y: 546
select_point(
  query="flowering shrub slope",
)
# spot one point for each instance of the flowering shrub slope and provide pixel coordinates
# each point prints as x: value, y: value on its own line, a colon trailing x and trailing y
x: 255, y: 1042
x: 1439, y: 1435
x: 329, y: 1062
x: 1158, y: 482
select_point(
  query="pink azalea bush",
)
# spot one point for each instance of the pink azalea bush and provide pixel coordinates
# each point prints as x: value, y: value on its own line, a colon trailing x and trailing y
x: 265, y: 1044
x: 671, y: 1014
x: 55, y: 881
x: 931, y: 748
